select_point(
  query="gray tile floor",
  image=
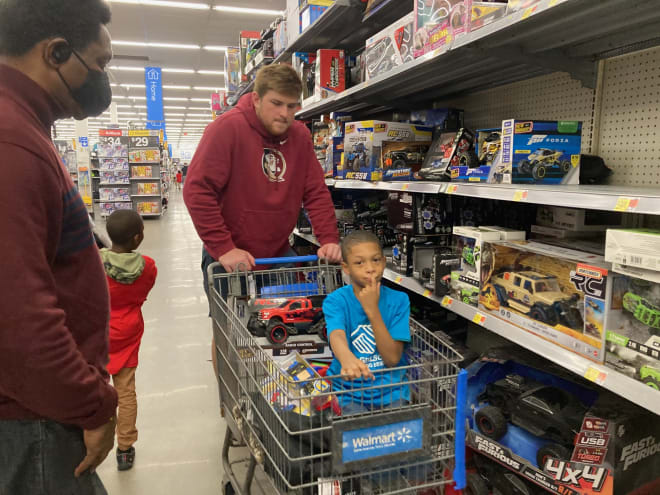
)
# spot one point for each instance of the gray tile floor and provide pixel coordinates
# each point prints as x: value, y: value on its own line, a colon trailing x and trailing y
x: 180, y: 429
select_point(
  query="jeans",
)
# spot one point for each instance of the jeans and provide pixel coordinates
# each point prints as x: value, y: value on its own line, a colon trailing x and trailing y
x: 39, y: 457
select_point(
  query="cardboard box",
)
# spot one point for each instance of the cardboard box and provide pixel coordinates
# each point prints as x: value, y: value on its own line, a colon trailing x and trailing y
x: 634, y: 247
x: 305, y: 65
x: 516, y: 5
x: 402, y: 160
x: 466, y: 278
x: 487, y: 145
x: 441, y: 119
x: 449, y: 149
x: 506, y: 234
x: 390, y: 48
x: 539, y: 152
x: 245, y: 38
x: 363, y: 143
x: 483, y: 13
x: 311, y: 10
x: 330, y: 74
x: 577, y: 219
x: 559, y: 294
x: 233, y: 69
x: 436, y: 27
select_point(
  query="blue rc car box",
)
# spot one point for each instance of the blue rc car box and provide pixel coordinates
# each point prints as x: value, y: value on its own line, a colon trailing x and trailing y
x: 539, y: 152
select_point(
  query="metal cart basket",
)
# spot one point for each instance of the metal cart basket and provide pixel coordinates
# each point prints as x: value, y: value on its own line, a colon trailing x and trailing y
x: 296, y: 429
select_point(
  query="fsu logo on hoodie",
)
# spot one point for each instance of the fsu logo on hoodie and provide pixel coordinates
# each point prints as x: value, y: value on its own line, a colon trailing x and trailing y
x: 273, y: 165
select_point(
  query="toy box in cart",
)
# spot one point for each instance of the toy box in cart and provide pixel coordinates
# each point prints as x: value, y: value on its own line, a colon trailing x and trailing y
x: 363, y: 143
x: 539, y: 152
x: 555, y: 431
x: 561, y: 295
x: 390, y: 48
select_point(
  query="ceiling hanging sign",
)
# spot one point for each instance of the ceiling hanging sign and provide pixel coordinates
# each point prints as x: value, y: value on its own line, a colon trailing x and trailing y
x: 153, y: 83
x: 215, y: 102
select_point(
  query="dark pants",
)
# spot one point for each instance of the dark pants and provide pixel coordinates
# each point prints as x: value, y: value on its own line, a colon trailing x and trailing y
x: 39, y: 458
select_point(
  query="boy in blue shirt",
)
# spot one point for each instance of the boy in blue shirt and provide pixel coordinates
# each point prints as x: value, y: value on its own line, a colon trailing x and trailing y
x: 368, y: 329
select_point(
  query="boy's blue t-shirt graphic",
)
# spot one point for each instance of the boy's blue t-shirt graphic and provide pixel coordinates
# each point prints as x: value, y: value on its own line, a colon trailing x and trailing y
x: 343, y: 311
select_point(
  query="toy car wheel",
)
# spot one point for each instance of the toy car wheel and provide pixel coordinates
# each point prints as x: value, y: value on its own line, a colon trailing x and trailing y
x: 545, y: 316
x: 278, y: 332
x: 651, y: 382
x: 399, y: 164
x: 539, y: 171
x: 524, y: 167
x: 571, y: 317
x: 491, y: 422
x: 468, y: 159
x: 553, y: 450
x: 476, y: 485
x: 565, y: 166
x: 228, y: 489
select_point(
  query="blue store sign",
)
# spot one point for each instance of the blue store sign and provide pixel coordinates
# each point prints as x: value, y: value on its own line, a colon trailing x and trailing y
x: 378, y: 441
x: 153, y: 81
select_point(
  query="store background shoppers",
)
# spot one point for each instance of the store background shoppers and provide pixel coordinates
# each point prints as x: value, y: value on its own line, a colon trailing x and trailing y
x: 57, y: 408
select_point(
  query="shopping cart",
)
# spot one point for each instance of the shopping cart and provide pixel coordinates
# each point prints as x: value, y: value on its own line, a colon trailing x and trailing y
x: 294, y: 429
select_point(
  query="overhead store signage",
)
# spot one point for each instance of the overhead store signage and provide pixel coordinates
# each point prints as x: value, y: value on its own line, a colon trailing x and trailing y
x: 153, y: 82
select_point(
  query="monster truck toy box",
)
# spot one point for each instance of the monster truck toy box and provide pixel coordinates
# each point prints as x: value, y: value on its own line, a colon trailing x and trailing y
x: 477, y: 168
x: 558, y: 294
x: 539, y: 152
x: 390, y: 48
x: 402, y: 160
x: 553, y: 430
x: 330, y: 73
x: 363, y: 142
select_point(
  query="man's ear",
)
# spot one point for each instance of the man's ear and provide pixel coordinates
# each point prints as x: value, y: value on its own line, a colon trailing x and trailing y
x: 255, y: 98
x: 56, y: 52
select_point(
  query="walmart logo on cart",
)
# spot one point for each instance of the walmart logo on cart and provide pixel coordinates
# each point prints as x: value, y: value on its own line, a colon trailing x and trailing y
x: 402, y: 436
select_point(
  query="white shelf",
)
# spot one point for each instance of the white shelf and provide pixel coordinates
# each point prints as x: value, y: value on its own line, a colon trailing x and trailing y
x: 608, y: 378
x: 112, y: 170
x: 115, y: 184
x: 150, y: 214
x: 114, y: 200
x: 146, y: 178
x: 645, y: 200
x: 145, y: 195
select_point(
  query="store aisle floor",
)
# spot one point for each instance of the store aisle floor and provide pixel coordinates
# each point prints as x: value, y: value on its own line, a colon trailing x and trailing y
x: 180, y: 429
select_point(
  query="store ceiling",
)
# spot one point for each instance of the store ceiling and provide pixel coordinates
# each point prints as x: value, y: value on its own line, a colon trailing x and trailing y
x: 194, y: 71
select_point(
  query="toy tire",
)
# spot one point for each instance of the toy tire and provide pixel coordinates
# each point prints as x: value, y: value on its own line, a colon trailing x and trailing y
x: 524, y: 167
x: 539, y: 171
x: 551, y: 450
x: 573, y: 318
x: 228, y: 489
x: 651, y: 382
x: 468, y: 159
x: 356, y: 165
x: 399, y: 164
x: 491, y: 422
x: 565, y: 166
x: 544, y: 316
x: 278, y: 332
x: 476, y: 485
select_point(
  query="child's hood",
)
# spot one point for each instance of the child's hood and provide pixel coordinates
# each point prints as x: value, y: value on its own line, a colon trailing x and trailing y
x: 125, y: 268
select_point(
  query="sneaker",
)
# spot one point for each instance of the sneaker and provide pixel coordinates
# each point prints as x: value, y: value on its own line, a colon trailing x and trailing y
x: 125, y: 459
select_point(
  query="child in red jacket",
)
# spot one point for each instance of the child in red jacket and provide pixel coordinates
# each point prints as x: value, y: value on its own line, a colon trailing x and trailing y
x: 130, y: 278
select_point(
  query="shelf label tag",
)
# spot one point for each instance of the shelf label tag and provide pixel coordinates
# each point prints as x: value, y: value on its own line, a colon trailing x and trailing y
x: 452, y: 189
x: 447, y: 301
x: 595, y: 375
x: 553, y: 3
x: 479, y: 319
x: 520, y: 195
x: 624, y: 203
x: 529, y: 12
x: 426, y: 293
x: 397, y: 279
x: 405, y: 187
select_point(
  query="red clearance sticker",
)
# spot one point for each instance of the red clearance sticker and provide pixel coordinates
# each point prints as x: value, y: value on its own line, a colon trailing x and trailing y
x: 595, y: 424
x: 589, y: 455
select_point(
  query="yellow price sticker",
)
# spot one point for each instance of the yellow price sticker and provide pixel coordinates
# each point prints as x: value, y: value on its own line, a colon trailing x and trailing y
x: 398, y: 279
x: 553, y: 3
x: 626, y: 204
x: 426, y: 293
x: 595, y: 375
x: 452, y: 189
x: 405, y: 187
x: 529, y: 12
x: 447, y: 301
x: 479, y: 319
x: 520, y: 195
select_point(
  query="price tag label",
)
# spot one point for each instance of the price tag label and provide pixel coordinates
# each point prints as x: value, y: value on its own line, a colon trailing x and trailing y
x: 479, y: 319
x: 520, y: 195
x: 426, y: 293
x: 405, y: 187
x: 447, y: 301
x: 397, y: 279
x: 553, y: 3
x: 452, y: 189
x: 595, y: 375
x: 529, y: 12
x: 624, y: 203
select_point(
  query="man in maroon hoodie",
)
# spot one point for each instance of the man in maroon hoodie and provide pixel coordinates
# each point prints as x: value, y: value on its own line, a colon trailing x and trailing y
x: 57, y: 408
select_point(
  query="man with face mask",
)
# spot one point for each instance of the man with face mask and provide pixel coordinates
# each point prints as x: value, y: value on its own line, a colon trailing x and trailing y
x: 57, y: 408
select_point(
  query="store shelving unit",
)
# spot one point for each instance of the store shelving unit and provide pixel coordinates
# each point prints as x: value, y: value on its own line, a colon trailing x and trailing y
x: 114, y: 184
x: 608, y: 378
x: 146, y: 182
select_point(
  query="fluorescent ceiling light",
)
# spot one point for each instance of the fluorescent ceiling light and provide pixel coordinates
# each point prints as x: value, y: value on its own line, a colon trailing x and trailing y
x: 126, y: 68
x: 173, y: 98
x: 215, y: 48
x: 244, y: 10
x: 174, y: 107
x: 113, y: 85
x: 181, y: 71
x: 168, y: 114
x: 165, y: 3
x: 199, y: 108
x: 209, y: 88
x: 174, y: 86
x: 156, y: 45
x: 118, y: 97
x: 207, y: 100
x: 212, y: 72
x: 132, y: 86
x: 198, y: 115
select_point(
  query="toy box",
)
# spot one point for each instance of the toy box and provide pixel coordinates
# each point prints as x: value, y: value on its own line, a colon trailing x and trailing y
x: 114, y: 177
x: 113, y: 164
x: 390, y: 48
x: 402, y: 160
x: 311, y: 10
x: 333, y: 157
x: 437, y: 25
x: 564, y: 436
x: 113, y: 147
x: 577, y: 219
x: 506, y: 234
x: 330, y: 73
x: 447, y: 150
x: 633, y: 327
x: 476, y: 164
x: 363, y: 143
x: 559, y: 294
x: 114, y: 194
x: 483, y: 13
x: 245, y: 38
x: 516, y: 5
x: 634, y: 247
x: 441, y: 119
x: 280, y: 38
x: 466, y: 278
x: 233, y: 69
x: 421, y: 214
x: 305, y: 66
x: 539, y: 152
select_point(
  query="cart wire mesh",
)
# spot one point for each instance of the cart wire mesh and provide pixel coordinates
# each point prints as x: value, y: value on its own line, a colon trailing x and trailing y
x: 323, y: 434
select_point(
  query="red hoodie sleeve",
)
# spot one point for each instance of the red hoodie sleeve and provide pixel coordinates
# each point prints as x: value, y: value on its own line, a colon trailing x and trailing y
x: 207, y: 177
x: 41, y: 366
x: 149, y: 276
x: 317, y: 200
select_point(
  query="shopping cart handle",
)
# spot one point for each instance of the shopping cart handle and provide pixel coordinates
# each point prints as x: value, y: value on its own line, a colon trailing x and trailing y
x: 286, y: 259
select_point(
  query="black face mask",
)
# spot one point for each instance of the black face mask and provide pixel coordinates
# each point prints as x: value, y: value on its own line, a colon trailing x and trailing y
x: 95, y: 95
